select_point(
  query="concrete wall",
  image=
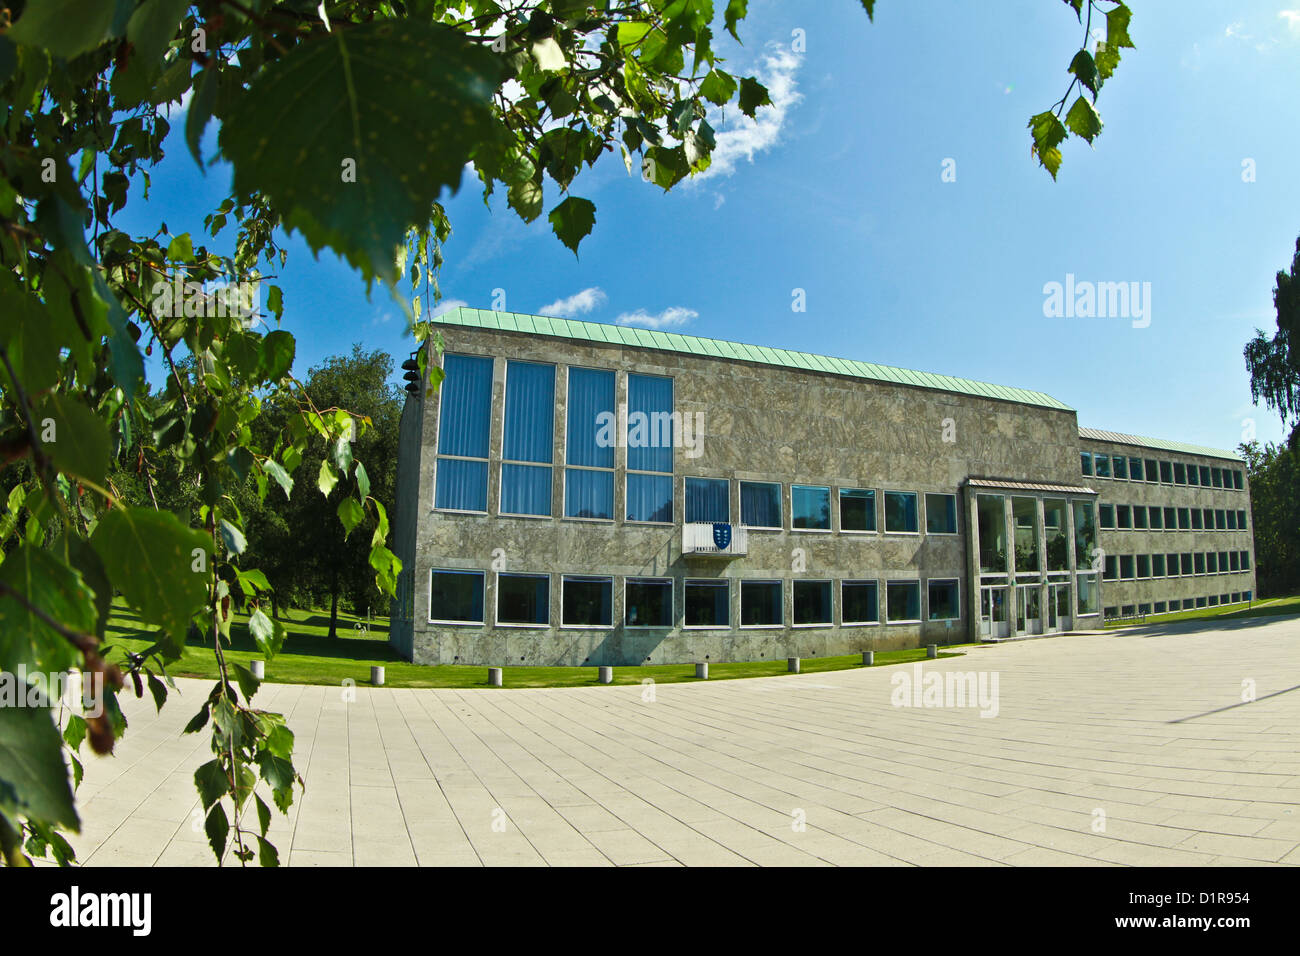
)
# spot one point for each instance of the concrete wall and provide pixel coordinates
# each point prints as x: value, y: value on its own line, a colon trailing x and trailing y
x: 761, y: 423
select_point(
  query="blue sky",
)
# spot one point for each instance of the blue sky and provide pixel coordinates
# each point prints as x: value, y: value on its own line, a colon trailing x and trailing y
x: 839, y: 191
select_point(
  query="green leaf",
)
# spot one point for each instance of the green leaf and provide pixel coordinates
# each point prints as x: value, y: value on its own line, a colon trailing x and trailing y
x: 233, y: 538
x: 753, y: 94
x: 718, y: 88
x: 33, y: 777
x: 74, y: 437
x: 1048, y: 133
x: 350, y: 513
x: 153, y: 560
x: 56, y: 589
x: 343, y: 456
x: 248, y: 684
x: 1083, y: 120
x: 159, y: 691
x: 267, y: 855
x: 265, y: 633
x: 525, y: 198
x: 363, y: 481
x: 253, y: 580
x: 153, y: 26
x: 277, y: 354
x: 869, y: 6
x: 64, y: 27
x: 350, y: 163
x: 211, y: 783
x: 181, y: 248
x: 1085, y: 68
x: 216, y: 826
x: 327, y: 479
x: 573, y: 220
x: 1117, y: 23
x: 736, y: 11
x: 200, y: 112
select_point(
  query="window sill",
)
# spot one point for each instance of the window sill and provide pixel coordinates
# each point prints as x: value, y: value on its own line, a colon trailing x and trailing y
x: 859, y: 624
x: 457, y: 623
x: 526, y: 627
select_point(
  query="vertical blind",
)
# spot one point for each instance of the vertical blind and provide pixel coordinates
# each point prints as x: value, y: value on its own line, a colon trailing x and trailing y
x: 591, y: 395
x: 529, y: 437
x: 464, y: 426
x: 650, y: 430
x: 708, y: 499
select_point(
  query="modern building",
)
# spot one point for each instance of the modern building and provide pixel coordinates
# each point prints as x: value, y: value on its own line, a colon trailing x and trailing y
x: 579, y: 494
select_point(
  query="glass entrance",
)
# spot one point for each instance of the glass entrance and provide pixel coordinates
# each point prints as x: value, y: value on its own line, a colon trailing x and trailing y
x: 1029, y: 617
x: 1059, y: 611
x: 993, y: 612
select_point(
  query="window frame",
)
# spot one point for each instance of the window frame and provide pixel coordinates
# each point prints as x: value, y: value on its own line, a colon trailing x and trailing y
x: 496, y: 611
x: 482, y: 583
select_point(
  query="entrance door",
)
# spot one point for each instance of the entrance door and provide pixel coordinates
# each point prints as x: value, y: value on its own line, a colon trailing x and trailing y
x: 993, y: 612
x: 1029, y: 618
x: 1059, y: 598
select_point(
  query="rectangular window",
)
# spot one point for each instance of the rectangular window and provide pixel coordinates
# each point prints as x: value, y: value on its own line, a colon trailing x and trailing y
x: 1237, y: 481
x: 944, y: 603
x: 456, y: 597
x: 1184, y: 519
x: 1085, y: 533
x: 1241, y: 520
x: 1126, y: 567
x: 528, y: 441
x: 1152, y: 474
x: 1056, y: 527
x: 1188, y: 604
x: 810, y: 507
x: 1119, y: 467
x: 587, y: 601
x: 1171, y: 565
x: 1180, y: 473
x: 1234, y: 557
x: 708, y: 500
x: 1185, y: 563
x: 990, y: 514
x: 1205, y: 476
x: 1124, y: 517
x: 859, y: 602
x: 590, y: 439
x: 1089, y: 594
x: 1220, y: 520
x: 1207, y: 515
x: 1245, y: 560
x: 1167, y: 472
x: 1155, y: 518
x: 1160, y: 607
x: 857, y: 509
x: 1223, y: 562
x: 902, y: 601
x: 760, y: 604
x: 1144, y: 565
x: 1199, y: 559
x: 524, y: 599
x: 1212, y: 562
x: 464, y: 426
x: 1101, y: 463
x: 1110, y: 570
x: 900, y: 512
x: 1201, y: 602
x: 1158, y: 565
x: 940, y: 514
x: 1171, y: 519
x: 1107, y: 516
x: 1085, y: 462
x: 1196, y: 519
x: 1139, y: 518
x: 1135, y: 470
x: 708, y: 603
x: 760, y: 504
x: 1216, y: 477
x: 812, y: 603
x: 1232, y: 520
x: 1193, y: 475
x: 648, y: 602
x: 650, y: 442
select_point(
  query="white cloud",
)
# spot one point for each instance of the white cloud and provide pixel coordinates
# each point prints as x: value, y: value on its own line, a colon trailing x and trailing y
x: 445, y: 306
x: 578, y: 304
x: 1292, y: 18
x: 741, y: 137
x: 667, y: 319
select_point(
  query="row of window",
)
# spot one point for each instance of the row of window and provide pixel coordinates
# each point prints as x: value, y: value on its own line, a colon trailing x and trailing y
x: 524, y: 600
x: 1185, y: 604
x: 1125, y: 468
x: 1123, y: 567
x: 1156, y: 518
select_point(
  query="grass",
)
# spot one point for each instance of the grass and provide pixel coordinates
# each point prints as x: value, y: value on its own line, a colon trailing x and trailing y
x: 1230, y: 612
x: 310, y: 656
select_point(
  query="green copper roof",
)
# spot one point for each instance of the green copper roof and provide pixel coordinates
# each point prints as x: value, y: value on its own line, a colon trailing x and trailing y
x: 717, y: 348
x: 1119, y: 438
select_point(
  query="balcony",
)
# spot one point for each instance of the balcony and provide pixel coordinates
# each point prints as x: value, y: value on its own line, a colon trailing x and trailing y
x: 714, y: 539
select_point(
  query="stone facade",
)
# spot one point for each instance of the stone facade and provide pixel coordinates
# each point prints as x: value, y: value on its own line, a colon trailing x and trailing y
x: 761, y: 422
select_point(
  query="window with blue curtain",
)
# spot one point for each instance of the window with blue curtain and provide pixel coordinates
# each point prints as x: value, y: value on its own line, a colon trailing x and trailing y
x: 589, y: 445
x: 649, y: 448
x: 528, y: 445
x: 708, y: 499
x: 464, y: 428
x: 760, y: 504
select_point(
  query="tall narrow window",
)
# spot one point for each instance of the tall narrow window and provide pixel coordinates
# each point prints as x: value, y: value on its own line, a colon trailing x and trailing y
x: 1085, y: 462
x: 528, y: 448
x: 589, y: 462
x: 464, y: 423
x: 708, y: 499
x: 650, y: 443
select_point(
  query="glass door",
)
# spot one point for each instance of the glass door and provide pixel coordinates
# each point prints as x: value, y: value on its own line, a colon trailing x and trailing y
x: 1060, y: 611
x: 993, y: 612
x: 1029, y: 609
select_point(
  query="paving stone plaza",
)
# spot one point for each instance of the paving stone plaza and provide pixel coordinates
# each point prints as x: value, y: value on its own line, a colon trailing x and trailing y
x: 1132, y: 748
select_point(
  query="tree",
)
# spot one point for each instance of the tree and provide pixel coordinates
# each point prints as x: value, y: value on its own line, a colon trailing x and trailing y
x: 345, y: 121
x: 1274, y: 363
x: 1275, y: 515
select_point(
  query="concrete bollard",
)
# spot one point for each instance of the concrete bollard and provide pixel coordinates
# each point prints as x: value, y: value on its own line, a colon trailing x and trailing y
x: 377, y: 675
x: 494, y: 676
x: 932, y: 651
x: 605, y: 675
x: 702, y: 670
x: 792, y: 665
x: 258, y: 669
x: 868, y: 658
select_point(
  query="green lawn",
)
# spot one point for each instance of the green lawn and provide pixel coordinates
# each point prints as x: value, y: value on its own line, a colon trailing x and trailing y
x: 311, y: 657
x: 1231, y: 612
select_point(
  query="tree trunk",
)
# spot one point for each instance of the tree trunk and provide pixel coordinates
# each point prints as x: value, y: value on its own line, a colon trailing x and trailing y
x: 334, y: 608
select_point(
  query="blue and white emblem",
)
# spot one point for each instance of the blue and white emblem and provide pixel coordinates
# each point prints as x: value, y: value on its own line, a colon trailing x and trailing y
x: 721, y: 535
